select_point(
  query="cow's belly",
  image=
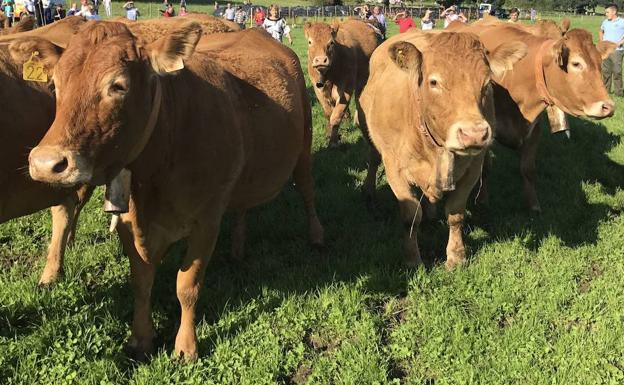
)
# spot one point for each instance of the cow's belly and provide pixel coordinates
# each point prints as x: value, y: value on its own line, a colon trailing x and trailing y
x: 275, y: 149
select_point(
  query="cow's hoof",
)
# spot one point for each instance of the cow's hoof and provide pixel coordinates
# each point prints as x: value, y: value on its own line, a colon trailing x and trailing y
x: 536, y: 210
x: 414, y: 260
x: 453, y: 263
x: 185, y: 349
x: 140, y: 351
x: 46, y: 285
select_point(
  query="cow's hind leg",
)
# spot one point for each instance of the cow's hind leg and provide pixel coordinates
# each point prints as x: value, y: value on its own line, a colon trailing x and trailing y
x: 528, y: 157
x: 62, y: 216
x: 483, y: 192
x: 190, y: 280
x: 304, y: 183
x: 374, y: 160
x: 84, y: 194
x: 455, y: 208
x: 411, y: 212
x: 238, y: 235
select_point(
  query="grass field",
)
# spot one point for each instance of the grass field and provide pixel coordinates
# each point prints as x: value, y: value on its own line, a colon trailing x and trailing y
x: 541, y: 302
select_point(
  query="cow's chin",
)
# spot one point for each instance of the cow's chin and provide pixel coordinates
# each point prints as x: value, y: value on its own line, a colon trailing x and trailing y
x: 58, y: 167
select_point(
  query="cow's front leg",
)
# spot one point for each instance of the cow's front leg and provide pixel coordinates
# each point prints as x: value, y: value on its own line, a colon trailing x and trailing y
x: 528, y: 157
x: 62, y: 217
x: 342, y: 103
x: 143, y: 262
x: 411, y: 212
x: 456, y: 211
x: 190, y: 280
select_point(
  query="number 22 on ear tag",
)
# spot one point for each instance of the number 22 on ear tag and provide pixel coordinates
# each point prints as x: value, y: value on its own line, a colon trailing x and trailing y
x: 33, y: 69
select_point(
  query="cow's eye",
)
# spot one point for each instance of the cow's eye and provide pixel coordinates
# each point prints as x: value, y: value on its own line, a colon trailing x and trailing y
x: 433, y: 83
x: 577, y: 65
x: 118, y: 88
x: 309, y: 42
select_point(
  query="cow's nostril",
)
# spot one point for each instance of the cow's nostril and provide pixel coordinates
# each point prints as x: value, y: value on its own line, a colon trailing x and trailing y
x: 61, y: 166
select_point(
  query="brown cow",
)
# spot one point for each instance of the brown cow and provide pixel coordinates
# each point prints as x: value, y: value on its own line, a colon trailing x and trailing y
x: 562, y: 72
x: 19, y: 195
x: 206, y: 128
x: 22, y: 129
x: 338, y: 66
x: 431, y: 123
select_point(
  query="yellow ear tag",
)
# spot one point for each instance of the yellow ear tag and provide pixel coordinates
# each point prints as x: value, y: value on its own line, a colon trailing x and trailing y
x: 33, y: 69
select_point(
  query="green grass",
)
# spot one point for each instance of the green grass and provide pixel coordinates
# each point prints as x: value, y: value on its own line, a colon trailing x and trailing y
x: 541, y: 302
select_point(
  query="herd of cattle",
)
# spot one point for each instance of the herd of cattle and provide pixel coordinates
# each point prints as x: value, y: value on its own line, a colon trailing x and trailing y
x: 184, y: 120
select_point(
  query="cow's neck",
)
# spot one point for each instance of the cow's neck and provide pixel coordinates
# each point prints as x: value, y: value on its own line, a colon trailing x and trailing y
x: 523, y: 89
x: 152, y: 151
x: 339, y: 68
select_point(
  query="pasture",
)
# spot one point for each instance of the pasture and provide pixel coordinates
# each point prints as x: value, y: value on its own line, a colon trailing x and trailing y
x: 540, y: 302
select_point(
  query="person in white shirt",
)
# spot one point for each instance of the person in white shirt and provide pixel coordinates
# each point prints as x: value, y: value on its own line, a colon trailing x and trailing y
x: 276, y: 26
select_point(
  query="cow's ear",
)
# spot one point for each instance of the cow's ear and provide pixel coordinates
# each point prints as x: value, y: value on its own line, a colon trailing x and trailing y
x: 23, y: 49
x: 605, y: 48
x: 406, y: 56
x: 168, y: 53
x: 560, y: 53
x: 565, y: 26
x: 503, y: 58
x: 334, y: 28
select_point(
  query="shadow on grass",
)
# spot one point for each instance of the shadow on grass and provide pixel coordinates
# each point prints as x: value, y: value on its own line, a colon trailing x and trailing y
x: 358, y: 246
x: 564, y: 167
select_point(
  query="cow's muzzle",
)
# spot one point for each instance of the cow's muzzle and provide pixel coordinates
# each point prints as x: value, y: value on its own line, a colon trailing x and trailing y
x: 322, y: 72
x: 469, y: 137
x: 600, y: 110
x: 53, y: 165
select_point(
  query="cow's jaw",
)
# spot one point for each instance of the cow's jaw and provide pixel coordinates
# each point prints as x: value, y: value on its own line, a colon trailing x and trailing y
x: 55, y: 166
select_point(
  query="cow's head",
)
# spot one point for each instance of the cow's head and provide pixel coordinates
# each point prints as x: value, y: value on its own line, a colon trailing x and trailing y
x: 572, y: 71
x: 321, y: 47
x: 108, y: 96
x: 451, y: 83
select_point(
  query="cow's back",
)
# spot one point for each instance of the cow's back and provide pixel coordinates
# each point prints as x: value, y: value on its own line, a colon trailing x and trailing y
x: 58, y: 32
x: 359, y: 35
x: 272, y: 104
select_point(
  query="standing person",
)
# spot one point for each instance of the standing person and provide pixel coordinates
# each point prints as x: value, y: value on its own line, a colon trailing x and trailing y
x: 404, y: 20
x: 259, y: 17
x: 7, y: 7
x: 450, y: 15
x: 514, y: 15
x: 240, y: 17
x: 612, y: 29
x: 276, y: 26
x: 132, y: 13
x: 427, y: 23
x: 169, y: 11
x: 533, y: 14
x: 107, y: 8
x: 229, y: 12
x: 380, y: 18
x: 363, y: 12
x: 72, y: 10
